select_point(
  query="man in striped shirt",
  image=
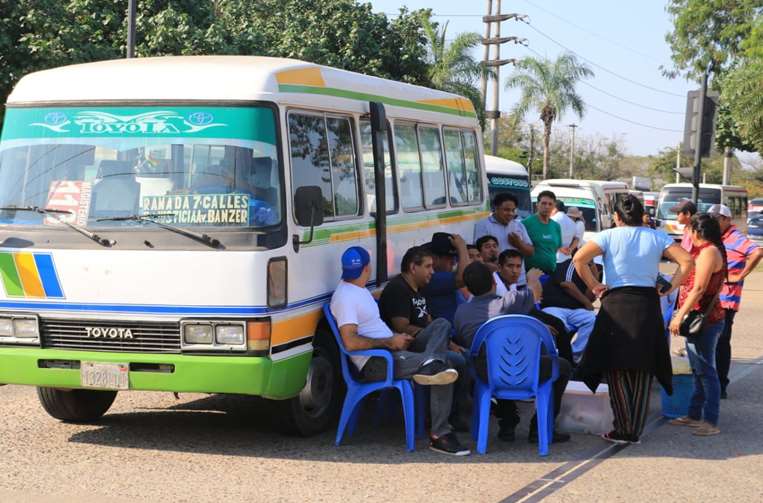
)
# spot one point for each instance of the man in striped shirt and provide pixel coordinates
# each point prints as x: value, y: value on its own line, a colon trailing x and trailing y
x: 743, y: 256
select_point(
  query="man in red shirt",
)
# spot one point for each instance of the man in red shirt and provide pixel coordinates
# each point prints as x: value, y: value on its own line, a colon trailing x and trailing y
x: 742, y: 257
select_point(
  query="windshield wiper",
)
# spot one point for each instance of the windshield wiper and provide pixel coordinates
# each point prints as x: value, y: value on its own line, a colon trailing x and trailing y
x: 56, y: 214
x: 151, y: 217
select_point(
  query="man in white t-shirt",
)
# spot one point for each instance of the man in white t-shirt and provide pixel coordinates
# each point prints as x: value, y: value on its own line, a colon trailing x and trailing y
x: 569, y: 232
x: 577, y: 216
x: 422, y: 357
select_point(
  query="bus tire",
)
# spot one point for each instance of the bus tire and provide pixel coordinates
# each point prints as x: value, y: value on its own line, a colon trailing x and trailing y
x: 76, y: 405
x: 316, y: 408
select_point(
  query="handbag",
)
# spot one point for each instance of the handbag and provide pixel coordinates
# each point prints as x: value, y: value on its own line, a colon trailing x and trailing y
x: 694, y: 321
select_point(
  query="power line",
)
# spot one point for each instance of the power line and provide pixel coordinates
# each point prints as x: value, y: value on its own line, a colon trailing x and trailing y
x: 634, y: 122
x: 602, y: 67
x: 633, y: 103
x: 439, y: 15
x: 592, y: 33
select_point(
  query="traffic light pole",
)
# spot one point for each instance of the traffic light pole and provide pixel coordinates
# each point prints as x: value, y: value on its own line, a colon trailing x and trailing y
x: 697, y: 175
x: 131, y: 14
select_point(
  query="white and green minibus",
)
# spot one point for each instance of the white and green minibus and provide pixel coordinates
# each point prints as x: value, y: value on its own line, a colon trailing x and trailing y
x: 175, y: 224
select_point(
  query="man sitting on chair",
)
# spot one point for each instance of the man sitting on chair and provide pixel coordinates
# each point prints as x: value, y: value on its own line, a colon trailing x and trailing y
x: 421, y: 357
x: 486, y: 305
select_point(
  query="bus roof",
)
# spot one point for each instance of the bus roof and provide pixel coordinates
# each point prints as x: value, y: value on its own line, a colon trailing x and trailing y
x: 573, y: 183
x: 500, y: 166
x: 223, y: 78
x: 703, y: 186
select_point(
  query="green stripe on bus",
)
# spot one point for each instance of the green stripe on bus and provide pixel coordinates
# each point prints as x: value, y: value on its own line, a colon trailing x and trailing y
x: 353, y: 95
x: 10, y: 275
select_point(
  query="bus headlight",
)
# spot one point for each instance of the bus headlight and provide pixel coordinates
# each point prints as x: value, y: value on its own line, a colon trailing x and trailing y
x: 232, y: 335
x: 198, y: 333
x: 25, y: 328
x: 21, y: 329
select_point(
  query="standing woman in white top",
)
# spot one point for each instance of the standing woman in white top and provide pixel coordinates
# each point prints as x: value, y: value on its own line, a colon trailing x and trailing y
x: 569, y: 232
x: 628, y: 344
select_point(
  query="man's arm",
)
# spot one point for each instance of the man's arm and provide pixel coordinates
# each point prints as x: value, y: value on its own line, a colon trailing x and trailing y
x: 753, y: 259
x: 463, y: 258
x: 403, y: 325
x: 355, y: 342
x: 574, y: 292
x: 521, y: 241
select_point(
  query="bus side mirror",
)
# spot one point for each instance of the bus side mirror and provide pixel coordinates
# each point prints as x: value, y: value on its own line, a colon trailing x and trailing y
x: 308, y: 210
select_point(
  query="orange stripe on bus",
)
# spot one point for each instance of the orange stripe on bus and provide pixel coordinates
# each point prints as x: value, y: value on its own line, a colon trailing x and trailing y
x: 291, y: 329
x: 30, y: 278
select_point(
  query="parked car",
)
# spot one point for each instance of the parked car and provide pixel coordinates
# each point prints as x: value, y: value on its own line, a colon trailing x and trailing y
x: 755, y: 206
x: 755, y: 226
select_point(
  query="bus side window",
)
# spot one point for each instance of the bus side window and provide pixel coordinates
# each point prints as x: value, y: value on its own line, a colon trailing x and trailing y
x: 322, y: 155
x: 408, y: 166
x: 432, y: 166
x: 473, y: 178
x: 454, y: 156
x: 366, y: 150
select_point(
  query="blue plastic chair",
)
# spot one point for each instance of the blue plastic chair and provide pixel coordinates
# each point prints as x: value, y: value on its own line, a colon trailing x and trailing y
x: 357, y: 391
x: 513, y: 351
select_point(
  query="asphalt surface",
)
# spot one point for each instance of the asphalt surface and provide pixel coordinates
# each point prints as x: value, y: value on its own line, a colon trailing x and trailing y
x: 151, y: 446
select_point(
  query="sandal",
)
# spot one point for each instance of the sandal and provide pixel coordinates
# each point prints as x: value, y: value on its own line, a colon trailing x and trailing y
x: 706, y: 430
x: 685, y: 421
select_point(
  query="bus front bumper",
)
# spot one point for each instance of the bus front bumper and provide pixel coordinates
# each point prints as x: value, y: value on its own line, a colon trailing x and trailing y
x: 246, y: 375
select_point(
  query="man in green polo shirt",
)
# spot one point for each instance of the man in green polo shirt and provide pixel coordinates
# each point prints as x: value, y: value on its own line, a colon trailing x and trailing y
x: 545, y: 234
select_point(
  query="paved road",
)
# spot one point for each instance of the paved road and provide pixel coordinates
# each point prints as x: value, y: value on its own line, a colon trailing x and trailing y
x: 199, y: 448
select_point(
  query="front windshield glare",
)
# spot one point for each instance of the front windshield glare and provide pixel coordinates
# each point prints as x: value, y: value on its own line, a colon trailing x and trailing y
x: 187, y: 166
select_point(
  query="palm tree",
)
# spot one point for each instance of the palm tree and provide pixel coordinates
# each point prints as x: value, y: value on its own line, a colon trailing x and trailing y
x: 451, y: 66
x: 548, y: 87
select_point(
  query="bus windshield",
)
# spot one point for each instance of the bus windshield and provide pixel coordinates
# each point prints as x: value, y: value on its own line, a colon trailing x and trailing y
x: 670, y: 197
x: 587, y: 207
x: 185, y: 166
x: 519, y: 186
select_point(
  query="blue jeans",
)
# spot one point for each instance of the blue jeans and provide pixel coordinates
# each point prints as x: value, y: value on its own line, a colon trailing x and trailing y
x: 579, y: 321
x: 706, y: 399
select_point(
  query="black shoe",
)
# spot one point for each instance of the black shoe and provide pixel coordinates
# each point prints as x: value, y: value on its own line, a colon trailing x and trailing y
x: 506, y: 433
x: 558, y: 438
x: 449, y: 444
x: 724, y: 395
x: 434, y: 374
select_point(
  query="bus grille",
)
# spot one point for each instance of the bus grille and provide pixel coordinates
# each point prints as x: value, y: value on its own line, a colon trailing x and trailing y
x: 96, y: 335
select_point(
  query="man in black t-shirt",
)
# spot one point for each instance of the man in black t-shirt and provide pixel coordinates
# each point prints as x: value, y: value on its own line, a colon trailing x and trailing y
x: 566, y: 296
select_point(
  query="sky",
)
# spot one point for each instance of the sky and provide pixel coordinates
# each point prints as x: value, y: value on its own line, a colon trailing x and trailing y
x: 622, y: 42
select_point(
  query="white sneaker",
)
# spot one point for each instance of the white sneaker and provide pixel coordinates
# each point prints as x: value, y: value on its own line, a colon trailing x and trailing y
x: 440, y: 378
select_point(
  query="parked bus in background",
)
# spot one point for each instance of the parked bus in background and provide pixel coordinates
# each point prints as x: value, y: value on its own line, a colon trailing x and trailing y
x: 587, y: 195
x: 504, y: 175
x: 650, y: 203
x: 176, y: 224
x: 733, y: 196
x: 613, y: 192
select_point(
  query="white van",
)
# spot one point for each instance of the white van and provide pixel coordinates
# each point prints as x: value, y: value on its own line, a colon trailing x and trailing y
x: 504, y: 175
x: 584, y: 194
x: 176, y: 224
x: 733, y: 196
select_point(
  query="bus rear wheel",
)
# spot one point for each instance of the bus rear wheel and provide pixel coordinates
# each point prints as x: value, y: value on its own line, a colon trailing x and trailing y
x: 316, y: 408
x: 76, y: 405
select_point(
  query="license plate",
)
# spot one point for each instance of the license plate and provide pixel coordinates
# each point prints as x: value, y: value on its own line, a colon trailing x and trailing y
x: 104, y: 375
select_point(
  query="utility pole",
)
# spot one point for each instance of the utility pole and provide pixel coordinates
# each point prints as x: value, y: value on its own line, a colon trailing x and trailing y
x: 572, y: 148
x: 495, y: 64
x: 727, y: 155
x: 131, y: 15
x: 678, y: 163
x: 531, y: 155
x: 486, y: 57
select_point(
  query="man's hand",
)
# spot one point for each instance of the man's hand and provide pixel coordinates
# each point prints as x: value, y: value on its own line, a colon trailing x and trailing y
x: 515, y: 240
x: 599, y: 290
x: 452, y: 346
x: 399, y: 342
x: 565, y: 250
x: 458, y: 242
x: 734, y: 278
x: 534, y: 274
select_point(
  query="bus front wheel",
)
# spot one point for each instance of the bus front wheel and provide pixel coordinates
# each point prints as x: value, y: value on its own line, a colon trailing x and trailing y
x: 76, y: 405
x: 316, y: 408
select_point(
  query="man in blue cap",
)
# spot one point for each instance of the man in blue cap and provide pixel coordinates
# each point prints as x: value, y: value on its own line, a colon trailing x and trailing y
x: 422, y: 357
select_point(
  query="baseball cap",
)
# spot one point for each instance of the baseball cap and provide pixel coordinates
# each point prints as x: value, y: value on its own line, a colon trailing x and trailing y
x: 719, y: 209
x: 354, y: 259
x: 684, y: 206
x: 441, y: 245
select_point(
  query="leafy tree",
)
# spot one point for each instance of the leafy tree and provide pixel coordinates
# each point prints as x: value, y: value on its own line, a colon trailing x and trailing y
x: 743, y: 94
x: 727, y: 133
x: 708, y: 31
x: 39, y: 34
x: 549, y: 88
x: 452, y: 68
